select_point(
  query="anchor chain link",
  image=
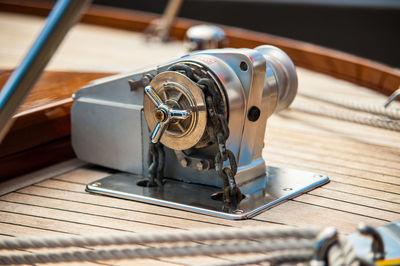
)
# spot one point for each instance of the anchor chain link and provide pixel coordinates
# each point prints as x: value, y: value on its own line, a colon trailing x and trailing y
x: 156, y: 163
x: 232, y: 194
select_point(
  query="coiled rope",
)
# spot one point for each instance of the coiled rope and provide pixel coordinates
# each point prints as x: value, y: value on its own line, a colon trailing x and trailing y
x: 392, y: 113
x: 370, y: 121
x: 371, y: 115
x: 280, y: 245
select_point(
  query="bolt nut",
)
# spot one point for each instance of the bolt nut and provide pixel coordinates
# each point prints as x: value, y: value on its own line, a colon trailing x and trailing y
x: 146, y: 79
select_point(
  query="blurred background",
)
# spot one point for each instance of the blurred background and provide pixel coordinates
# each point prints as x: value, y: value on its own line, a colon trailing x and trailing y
x: 367, y: 28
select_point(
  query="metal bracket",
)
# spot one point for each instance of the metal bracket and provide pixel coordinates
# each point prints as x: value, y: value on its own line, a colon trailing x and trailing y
x: 264, y: 192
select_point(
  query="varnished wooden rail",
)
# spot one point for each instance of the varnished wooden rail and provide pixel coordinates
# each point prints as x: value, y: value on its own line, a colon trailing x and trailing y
x: 40, y: 134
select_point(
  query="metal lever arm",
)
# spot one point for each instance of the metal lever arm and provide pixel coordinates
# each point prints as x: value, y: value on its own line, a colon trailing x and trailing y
x: 164, y: 114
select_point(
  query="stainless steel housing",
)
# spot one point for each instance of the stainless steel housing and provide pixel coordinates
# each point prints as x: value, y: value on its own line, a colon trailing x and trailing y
x: 109, y: 129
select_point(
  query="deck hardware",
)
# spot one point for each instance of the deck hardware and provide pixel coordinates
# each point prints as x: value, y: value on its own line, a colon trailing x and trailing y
x: 392, y: 97
x: 378, y: 248
x: 325, y: 240
x: 202, y: 37
x: 140, y: 83
x: 204, y: 139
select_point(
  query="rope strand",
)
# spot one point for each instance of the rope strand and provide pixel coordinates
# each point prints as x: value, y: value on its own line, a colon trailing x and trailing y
x: 160, y: 237
x: 392, y: 113
x: 156, y: 252
x: 318, y: 110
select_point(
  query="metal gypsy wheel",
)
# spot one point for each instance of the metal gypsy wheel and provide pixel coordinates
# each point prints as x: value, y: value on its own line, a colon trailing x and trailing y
x: 175, y: 110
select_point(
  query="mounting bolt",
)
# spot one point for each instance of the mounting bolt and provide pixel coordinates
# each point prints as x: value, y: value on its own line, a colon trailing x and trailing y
x: 184, y: 162
x: 378, y: 247
x: 146, y: 79
x: 325, y: 240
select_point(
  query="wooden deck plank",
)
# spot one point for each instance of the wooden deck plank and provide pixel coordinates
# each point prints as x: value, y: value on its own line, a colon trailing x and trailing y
x: 335, y: 174
x: 349, y: 207
x: 363, y: 171
x: 366, y: 193
x: 92, y: 223
x: 16, y: 229
x: 107, y: 212
x: 356, y: 199
x: 300, y: 142
x: 338, y: 142
x: 332, y: 128
x: 17, y: 215
x: 52, y: 190
x: 302, y: 214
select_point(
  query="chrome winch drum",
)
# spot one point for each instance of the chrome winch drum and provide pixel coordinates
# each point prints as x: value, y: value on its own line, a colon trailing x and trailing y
x: 114, y: 120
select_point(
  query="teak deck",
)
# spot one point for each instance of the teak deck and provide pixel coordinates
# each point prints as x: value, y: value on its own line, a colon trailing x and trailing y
x: 363, y: 163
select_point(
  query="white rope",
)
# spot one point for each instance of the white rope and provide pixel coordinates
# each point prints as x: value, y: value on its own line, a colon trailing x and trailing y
x: 386, y: 124
x: 342, y: 254
x: 156, y: 252
x: 392, y: 113
x: 279, y: 245
x: 159, y: 237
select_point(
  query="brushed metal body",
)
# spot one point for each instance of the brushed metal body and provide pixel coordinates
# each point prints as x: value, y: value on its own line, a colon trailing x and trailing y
x: 109, y: 129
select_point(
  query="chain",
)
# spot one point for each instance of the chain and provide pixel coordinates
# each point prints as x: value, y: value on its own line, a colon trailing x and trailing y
x: 218, y: 131
x: 156, y: 162
x: 232, y: 194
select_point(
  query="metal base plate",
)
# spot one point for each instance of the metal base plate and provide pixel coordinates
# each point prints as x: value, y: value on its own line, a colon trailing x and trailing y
x: 278, y: 185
